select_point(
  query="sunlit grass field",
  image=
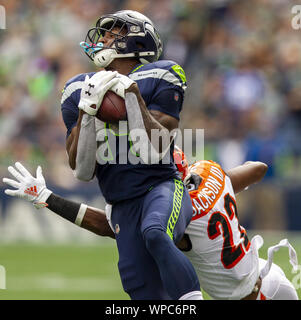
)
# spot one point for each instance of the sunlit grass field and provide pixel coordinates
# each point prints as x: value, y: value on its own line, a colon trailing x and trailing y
x: 72, y: 272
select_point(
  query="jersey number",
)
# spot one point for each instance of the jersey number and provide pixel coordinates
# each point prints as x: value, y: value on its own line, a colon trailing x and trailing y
x: 231, y: 254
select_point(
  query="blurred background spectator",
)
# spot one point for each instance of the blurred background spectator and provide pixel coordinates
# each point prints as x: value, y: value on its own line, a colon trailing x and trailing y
x: 243, y: 64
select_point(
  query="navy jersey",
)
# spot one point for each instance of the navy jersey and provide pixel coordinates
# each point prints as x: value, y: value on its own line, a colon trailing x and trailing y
x: 162, y: 85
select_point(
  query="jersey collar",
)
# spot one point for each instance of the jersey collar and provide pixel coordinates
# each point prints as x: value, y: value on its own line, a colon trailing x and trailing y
x: 137, y: 67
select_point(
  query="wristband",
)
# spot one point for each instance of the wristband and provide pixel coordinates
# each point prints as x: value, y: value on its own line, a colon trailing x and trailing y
x: 67, y: 209
x: 80, y: 214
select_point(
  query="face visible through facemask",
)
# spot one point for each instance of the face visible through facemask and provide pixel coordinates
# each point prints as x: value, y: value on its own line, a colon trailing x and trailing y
x: 110, y: 36
x: 106, y: 55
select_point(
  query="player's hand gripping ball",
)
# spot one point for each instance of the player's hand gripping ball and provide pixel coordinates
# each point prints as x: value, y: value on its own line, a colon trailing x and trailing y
x: 94, y: 90
x: 112, y: 108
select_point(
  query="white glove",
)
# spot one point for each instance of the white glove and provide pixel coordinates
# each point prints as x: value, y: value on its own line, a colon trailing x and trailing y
x: 123, y: 83
x: 94, y: 89
x: 27, y: 187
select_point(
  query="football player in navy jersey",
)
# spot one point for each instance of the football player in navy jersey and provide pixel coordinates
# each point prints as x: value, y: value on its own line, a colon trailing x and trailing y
x: 151, y: 206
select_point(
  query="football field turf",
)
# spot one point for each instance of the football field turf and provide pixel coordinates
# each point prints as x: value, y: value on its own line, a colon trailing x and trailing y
x: 85, y: 271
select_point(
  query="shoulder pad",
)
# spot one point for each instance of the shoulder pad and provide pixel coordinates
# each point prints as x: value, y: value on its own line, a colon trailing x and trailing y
x: 163, y: 69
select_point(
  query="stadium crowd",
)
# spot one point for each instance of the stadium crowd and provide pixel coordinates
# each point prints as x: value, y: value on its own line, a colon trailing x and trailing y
x: 242, y: 61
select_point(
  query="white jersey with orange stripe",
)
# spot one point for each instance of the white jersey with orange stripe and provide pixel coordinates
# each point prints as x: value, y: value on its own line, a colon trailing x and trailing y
x: 225, y: 260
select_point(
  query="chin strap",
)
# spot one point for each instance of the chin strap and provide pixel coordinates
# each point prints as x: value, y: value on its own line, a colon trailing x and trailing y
x: 102, y: 57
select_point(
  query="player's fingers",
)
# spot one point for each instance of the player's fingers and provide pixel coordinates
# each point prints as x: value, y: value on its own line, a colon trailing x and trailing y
x: 109, y: 85
x: 11, y: 193
x: 118, y: 88
x: 110, y: 76
x: 97, y: 77
x: 22, y: 169
x: 100, y: 74
x: 40, y: 174
x: 187, y: 178
x: 11, y: 183
x: 15, y: 173
x: 106, y: 77
x: 104, y: 74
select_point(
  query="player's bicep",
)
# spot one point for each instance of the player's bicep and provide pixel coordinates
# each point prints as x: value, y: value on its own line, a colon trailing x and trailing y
x: 166, y: 107
x: 70, y: 140
x: 70, y: 116
x: 70, y: 119
x: 167, y: 121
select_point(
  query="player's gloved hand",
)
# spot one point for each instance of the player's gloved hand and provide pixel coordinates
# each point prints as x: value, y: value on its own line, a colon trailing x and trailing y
x: 123, y: 84
x: 94, y: 89
x: 27, y: 187
x: 192, y: 181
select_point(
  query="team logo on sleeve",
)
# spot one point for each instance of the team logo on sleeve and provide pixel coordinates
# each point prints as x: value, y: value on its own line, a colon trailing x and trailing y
x: 117, y: 228
x: 176, y: 96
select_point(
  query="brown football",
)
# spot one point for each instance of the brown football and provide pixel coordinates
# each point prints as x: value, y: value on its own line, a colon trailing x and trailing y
x: 112, y: 108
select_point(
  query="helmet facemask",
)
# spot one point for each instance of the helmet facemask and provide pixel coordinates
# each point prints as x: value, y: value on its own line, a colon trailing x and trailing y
x: 99, y: 53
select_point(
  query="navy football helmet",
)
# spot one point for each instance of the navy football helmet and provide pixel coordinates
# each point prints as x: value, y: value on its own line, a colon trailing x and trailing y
x: 136, y: 37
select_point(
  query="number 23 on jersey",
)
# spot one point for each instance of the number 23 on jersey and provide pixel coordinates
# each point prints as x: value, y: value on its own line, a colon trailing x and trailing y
x: 219, y: 224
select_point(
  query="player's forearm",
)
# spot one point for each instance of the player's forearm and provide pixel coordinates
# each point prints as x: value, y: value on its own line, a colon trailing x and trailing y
x: 95, y: 221
x: 81, y: 147
x: 89, y: 218
x: 247, y: 174
x: 141, y: 120
x: 72, y: 142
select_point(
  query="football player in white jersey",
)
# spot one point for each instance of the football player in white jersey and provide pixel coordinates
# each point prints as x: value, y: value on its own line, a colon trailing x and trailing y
x: 225, y: 260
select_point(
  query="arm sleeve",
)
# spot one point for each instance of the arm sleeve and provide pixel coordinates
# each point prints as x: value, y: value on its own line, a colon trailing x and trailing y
x: 86, y: 149
x: 63, y: 207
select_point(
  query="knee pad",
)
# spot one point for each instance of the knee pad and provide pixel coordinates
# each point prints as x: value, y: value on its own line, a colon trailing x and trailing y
x: 155, y: 239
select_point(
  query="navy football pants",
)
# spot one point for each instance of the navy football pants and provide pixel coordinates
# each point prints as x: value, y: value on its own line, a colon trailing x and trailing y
x: 146, y: 228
